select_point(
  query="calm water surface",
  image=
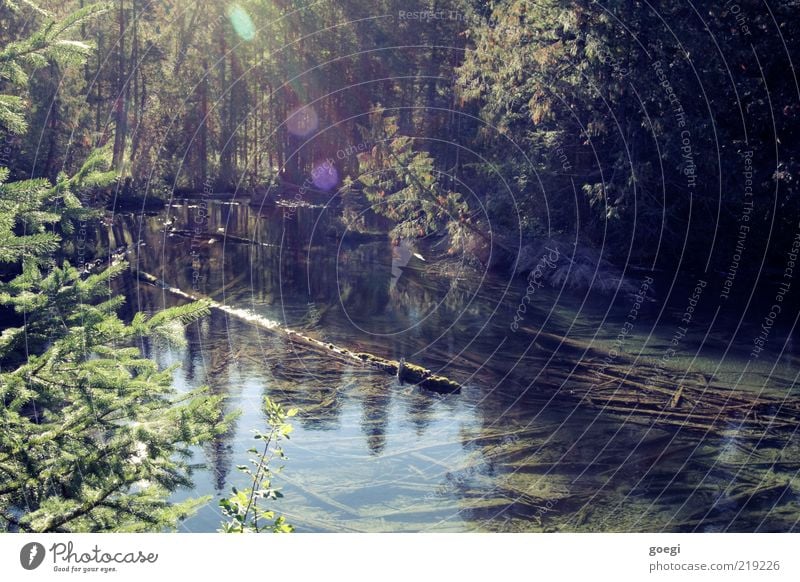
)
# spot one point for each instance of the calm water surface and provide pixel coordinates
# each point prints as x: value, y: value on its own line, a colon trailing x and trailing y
x: 509, y: 453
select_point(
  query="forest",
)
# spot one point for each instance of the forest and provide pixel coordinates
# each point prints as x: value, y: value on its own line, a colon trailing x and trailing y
x: 219, y: 216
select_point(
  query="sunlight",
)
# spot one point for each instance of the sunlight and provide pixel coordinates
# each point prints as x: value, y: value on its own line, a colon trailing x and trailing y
x: 518, y: 266
x: 324, y: 176
x: 241, y: 22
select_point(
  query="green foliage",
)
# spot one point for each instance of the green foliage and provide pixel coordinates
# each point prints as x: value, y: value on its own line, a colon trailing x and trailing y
x: 243, y: 508
x: 46, y: 45
x: 634, y: 118
x: 41, y: 210
x: 92, y: 435
x: 403, y: 184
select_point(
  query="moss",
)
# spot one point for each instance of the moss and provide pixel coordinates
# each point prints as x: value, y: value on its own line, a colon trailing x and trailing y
x: 417, y: 369
x: 412, y: 373
x: 441, y: 384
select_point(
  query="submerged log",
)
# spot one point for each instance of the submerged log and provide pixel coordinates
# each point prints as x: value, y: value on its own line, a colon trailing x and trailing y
x: 689, y: 401
x: 413, y: 374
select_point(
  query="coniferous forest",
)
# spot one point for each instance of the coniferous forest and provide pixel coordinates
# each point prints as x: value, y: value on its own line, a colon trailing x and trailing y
x: 298, y: 265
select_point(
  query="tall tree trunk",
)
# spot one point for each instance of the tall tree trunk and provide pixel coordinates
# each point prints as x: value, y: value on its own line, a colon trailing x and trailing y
x: 203, y: 153
x: 121, y: 103
x: 98, y: 124
x: 138, y: 101
x: 225, y: 145
x: 51, y: 163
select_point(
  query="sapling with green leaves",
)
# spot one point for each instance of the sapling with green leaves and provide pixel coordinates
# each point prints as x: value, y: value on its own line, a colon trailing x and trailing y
x: 245, y: 509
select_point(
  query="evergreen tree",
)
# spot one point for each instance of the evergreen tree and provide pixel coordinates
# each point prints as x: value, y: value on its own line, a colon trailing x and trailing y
x: 92, y: 437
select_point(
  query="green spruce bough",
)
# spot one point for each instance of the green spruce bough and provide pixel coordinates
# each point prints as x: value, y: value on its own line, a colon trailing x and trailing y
x: 92, y: 435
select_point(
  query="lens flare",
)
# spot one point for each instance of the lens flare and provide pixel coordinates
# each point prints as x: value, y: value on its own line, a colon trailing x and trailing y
x: 241, y: 22
x: 324, y: 176
x: 302, y: 121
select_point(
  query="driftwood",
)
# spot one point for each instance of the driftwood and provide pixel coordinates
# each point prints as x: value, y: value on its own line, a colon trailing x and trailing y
x: 293, y: 195
x: 412, y: 373
x: 350, y: 237
x: 690, y: 401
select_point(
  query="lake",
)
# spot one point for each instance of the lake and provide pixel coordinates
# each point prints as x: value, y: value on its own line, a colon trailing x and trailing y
x: 508, y: 452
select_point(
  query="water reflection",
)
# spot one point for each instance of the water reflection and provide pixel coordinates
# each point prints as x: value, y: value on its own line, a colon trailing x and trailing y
x: 371, y: 454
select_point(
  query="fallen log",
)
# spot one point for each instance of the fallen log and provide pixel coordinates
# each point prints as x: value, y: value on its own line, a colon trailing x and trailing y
x: 214, y: 237
x: 413, y: 374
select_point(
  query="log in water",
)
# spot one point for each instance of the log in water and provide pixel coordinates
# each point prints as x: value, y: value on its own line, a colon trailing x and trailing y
x: 412, y: 373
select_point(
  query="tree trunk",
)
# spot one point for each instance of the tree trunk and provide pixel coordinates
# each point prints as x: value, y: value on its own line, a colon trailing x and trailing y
x: 121, y: 103
x: 203, y: 153
x: 225, y: 145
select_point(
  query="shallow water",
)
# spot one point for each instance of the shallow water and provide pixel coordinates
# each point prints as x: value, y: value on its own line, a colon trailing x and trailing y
x: 508, y: 453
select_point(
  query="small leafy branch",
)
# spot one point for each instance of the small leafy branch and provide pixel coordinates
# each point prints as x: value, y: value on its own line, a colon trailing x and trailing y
x: 243, y: 509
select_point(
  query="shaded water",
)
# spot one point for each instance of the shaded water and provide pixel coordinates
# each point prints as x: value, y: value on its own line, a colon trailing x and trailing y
x: 506, y: 454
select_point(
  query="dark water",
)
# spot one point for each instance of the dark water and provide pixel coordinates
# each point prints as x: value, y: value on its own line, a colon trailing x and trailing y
x: 509, y: 453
